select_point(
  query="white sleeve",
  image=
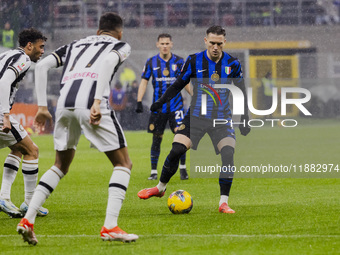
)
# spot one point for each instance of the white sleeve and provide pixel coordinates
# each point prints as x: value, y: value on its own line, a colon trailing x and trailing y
x: 21, y: 65
x: 107, y: 68
x: 41, y: 70
x: 5, y: 87
x: 123, y: 50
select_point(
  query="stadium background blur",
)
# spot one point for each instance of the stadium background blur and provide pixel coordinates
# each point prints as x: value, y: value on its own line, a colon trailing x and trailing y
x: 274, y: 215
x: 294, y: 39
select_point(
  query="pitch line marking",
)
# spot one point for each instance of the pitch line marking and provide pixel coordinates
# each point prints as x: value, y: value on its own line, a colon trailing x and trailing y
x: 188, y: 235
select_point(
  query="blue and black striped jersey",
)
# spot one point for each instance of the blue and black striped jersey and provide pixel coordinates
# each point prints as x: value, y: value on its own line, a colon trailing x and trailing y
x: 164, y: 73
x: 204, y: 74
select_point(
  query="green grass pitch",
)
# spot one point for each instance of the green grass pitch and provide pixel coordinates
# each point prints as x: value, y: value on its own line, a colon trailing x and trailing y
x: 273, y: 215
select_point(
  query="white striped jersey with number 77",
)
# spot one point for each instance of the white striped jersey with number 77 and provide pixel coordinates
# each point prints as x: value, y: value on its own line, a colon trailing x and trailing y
x: 81, y: 62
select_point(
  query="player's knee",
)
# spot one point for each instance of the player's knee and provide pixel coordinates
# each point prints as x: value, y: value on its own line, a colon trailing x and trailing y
x: 227, y: 150
x: 227, y: 154
x: 177, y: 150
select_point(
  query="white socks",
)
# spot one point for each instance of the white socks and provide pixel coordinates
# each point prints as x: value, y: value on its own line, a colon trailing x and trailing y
x: 161, y: 186
x: 119, y: 183
x: 153, y: 171
x: 11, y: 167
x: 30, y: 173
x: 223, y: 199
x: 47, y: 184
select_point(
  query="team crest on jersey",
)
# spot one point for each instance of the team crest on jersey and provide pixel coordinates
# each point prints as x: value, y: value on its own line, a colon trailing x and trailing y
x: 152, y: 127
x: 166, y: 72
x: 228, y: 70
x: 181, y: 127
x: 215, y: 76
x: 174, y: 67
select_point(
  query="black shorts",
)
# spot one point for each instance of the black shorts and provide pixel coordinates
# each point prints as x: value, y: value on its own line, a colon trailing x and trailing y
x: 157, y: 121
x: 195, y: 128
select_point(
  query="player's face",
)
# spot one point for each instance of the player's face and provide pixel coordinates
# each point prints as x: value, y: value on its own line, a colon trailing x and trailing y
x: 164, y: 45
x: 214, y: 44
x: 37, y: 50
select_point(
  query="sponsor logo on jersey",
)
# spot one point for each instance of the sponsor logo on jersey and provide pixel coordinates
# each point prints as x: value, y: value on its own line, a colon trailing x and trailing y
x: 166, y: 79
x: 80, y: 75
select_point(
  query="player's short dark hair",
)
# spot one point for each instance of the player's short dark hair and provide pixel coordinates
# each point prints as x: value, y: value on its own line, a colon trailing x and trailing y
x: 110, y: 21
x: 164, y: 35
x: 217, y: 30
x: 30, y: 35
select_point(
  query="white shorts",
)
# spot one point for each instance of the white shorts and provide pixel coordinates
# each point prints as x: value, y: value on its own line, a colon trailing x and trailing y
x: 14, y: 136
x: 69, y: 124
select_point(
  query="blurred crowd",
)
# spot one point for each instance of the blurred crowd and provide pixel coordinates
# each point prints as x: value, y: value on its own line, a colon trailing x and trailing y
x: 50, y: 14
x: 16, y: 15
x: 183, y: 13
x: 123, y: 100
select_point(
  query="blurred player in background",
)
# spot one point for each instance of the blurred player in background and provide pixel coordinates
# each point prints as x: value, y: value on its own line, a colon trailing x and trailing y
x: 89, y: 65
x: 14, y: 65
x: 216, y: 67
x: 164, y: 69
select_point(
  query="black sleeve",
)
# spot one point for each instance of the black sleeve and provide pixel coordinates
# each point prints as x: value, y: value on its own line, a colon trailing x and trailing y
x: 172, y: 91
x: 182, y: 80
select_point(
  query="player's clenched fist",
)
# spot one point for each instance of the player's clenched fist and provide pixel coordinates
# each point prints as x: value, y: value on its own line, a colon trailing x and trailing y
x: 95, y: 113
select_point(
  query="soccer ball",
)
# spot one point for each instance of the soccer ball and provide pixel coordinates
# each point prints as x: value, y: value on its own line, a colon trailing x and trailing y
x: 180, y: 202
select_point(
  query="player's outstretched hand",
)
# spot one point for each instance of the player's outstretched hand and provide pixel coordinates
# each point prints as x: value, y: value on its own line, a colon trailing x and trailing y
x: 6, y: 127
x: 41, y: 117
x: 139, y: 108
x: 95, y: 113
x: 244, y: 129
x: 155, y: 106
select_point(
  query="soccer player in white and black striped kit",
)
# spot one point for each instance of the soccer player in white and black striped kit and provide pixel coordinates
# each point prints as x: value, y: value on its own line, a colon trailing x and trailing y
x: 14, y: 65
x: 89, y: 65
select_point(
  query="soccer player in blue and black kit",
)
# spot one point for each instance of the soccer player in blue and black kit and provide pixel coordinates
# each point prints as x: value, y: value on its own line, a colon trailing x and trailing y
x: 212, y: 66
x: 164, y: 68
